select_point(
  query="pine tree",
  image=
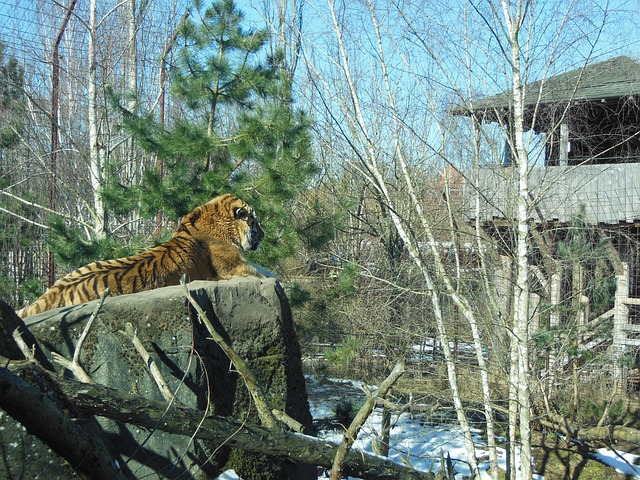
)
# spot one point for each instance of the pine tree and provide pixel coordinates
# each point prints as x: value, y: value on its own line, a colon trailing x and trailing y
x: 239, y: 131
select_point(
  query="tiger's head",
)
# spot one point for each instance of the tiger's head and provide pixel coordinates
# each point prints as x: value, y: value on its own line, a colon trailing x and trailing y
x: 225, y: 218
x: 249, y: 226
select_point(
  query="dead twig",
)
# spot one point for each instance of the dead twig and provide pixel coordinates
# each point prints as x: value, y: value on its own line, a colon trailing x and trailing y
x: 259, y: 398
x: 166, y: 392
x: 24, y: 348
x: 74, y: 365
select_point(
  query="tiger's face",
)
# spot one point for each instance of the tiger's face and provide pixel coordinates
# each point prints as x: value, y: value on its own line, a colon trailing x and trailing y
x: 248, y: 223
x: 226, y: 218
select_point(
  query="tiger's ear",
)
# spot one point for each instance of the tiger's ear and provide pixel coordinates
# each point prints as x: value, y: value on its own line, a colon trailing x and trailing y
x: 241, y: 213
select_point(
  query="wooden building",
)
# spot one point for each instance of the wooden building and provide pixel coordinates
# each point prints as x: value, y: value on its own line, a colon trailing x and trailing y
x: 587, y: 126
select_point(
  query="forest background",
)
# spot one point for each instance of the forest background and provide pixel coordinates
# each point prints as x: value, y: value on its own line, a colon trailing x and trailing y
x: 334, y: 120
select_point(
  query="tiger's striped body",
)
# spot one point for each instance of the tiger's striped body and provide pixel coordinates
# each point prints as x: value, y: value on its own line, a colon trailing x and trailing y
x: 207, y: 245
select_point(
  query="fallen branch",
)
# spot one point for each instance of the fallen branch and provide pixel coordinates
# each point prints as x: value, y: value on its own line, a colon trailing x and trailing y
x: 590, y: 434
x: 12, y: 326
x: 96, y: 399
x: 605, y: 434
x: 77, y: 370
x: 42, y: 417
x: 352, y: 432
x: 74, y: 365
x: 161, y: 383
x: 259, y: 398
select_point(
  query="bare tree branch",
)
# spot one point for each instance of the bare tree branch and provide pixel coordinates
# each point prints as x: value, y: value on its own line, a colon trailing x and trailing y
x: 255, y: 389
x: 161, y: 383
x: 96, y: 399
x: 352, y: 432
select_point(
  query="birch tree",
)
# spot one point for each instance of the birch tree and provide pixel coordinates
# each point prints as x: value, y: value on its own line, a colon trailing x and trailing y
x: 383, y: 93
x: 96, y: 152
x: 520, y: 383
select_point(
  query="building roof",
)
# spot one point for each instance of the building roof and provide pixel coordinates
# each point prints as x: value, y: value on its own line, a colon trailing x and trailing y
x: 612, y: 79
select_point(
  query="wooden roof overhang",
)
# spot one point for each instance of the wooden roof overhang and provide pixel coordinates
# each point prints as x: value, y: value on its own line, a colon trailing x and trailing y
x: 606, y: 82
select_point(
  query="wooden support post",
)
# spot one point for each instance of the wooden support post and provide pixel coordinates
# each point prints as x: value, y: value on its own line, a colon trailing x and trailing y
x: 504, y: 285
x: 554, y: 297
x: 555, y: 292
x: 564, y: 144
x: 620, y: 322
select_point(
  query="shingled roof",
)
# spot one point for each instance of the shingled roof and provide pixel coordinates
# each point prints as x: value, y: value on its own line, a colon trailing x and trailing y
x: 609, y: 80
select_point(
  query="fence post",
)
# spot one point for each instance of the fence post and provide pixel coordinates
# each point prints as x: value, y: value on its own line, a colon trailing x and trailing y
x: 620, y: 321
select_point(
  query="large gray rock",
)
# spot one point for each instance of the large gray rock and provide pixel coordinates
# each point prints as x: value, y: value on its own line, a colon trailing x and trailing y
x: 252, y: 314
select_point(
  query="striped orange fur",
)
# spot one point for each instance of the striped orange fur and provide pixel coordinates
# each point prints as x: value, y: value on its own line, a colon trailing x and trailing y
x: 207, y: 245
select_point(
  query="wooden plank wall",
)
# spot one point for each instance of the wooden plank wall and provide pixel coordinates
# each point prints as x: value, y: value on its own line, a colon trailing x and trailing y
x: 610, y: 193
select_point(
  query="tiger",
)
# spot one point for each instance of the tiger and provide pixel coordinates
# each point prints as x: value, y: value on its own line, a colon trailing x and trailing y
x: 207, y: 245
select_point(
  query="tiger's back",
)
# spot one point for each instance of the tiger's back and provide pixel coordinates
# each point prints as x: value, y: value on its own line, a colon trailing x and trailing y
x: 207, y: 245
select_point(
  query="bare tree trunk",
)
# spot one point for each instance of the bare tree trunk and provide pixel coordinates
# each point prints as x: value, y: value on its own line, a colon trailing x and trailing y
x: 132, y: 56
x: 385, y: 431
x: 131, y: 77
x: 377, y: 180
x: 161, y: 106
x: 55, y: 124
x: 512, y: 464
x: 284, y: 18
x: 521, y: 311
x: 95, y: 151
x: 351, y: 433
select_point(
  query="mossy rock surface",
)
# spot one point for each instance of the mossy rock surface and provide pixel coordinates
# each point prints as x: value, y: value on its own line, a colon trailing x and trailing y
x: 555, y: 460
x: 255, y: 318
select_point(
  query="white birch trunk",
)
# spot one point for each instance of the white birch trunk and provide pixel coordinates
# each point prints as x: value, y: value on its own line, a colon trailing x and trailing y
x: 377, y: 180
x: 95, y: 161
x: 513, y: 465
x: 521, y: 306
x: 132, y: 86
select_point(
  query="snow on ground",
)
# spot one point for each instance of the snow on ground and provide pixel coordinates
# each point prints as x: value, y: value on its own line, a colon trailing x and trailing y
x: 417, y: 442
x: 228, y: 475
x: 621, y: 461
x: 412, y: 440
